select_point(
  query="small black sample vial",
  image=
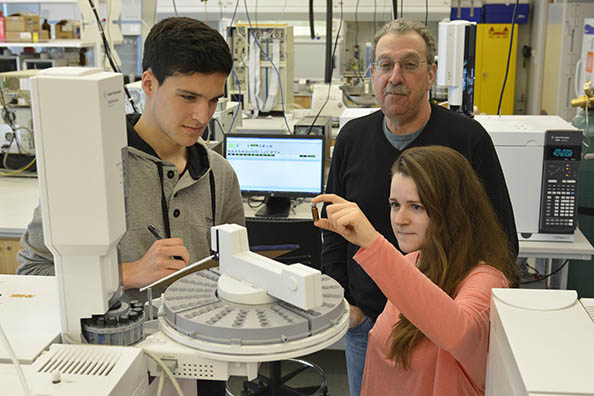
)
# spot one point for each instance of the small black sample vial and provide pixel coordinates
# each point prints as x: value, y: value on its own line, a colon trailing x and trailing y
x: 314, y: 212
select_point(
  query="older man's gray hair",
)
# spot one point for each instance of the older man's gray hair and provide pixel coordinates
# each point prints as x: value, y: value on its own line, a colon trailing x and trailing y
x: 401, y: 27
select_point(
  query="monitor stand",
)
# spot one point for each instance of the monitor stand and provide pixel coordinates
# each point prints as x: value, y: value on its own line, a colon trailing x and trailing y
x: 275, y: 207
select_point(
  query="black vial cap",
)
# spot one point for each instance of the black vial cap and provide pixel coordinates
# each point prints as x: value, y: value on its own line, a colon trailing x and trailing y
x: 133, y: 316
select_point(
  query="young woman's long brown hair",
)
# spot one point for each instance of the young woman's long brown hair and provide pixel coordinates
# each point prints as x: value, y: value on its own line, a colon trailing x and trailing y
x: 463, y: 230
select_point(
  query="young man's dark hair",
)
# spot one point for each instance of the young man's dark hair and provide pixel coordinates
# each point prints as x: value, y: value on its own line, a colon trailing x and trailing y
x: 185, y: 46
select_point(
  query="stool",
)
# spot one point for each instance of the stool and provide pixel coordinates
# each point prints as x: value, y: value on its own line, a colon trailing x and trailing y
x: 276, y: 384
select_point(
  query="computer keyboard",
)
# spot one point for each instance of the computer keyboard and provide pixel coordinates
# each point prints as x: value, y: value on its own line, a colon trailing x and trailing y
x: 588, y: 304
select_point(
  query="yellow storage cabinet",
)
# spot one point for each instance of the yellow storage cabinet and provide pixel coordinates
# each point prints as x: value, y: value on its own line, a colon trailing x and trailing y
x: 492, y: 46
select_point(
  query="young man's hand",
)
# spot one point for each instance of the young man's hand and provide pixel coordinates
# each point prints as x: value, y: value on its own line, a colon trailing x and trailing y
x: 156, y: 263
x: 347, y: 219
x: 356, y: 316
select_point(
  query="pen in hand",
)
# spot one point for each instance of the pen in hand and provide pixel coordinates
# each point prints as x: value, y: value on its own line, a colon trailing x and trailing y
x: 158, y: 236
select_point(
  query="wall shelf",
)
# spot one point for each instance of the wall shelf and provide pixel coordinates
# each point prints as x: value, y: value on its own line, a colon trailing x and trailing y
x: 39, y: 1
x: 47, y: 44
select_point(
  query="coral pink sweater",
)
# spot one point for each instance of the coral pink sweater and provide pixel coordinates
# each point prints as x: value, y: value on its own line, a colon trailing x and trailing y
x: 452, y: 358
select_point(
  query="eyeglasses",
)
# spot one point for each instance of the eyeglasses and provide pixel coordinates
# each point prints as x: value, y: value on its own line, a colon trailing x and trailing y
x: 408, y: 65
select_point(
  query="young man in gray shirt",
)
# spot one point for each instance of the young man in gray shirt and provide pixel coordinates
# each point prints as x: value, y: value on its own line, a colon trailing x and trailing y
x: 175, y: 182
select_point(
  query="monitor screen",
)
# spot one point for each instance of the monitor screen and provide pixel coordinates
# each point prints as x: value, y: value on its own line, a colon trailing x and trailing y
x: 277, y: 165
x: 38, y: 63
x: 9, y: 63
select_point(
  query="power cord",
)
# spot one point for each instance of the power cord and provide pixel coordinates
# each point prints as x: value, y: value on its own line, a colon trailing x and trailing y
x: 13, y: 172
x: 538, y: 274
x: 220, y: 126
x: 239, y: 99
x: 15, y: 363
x: 259, y: 202
x: 543, y: 277
x: 161, y: 383
x: 16, y: 172
x: 331, y: 72
x: 511, y: 42
x: 357, y: 48
x: 107, y: 50
x: 166, y: 370
x: 312, y: 29
x: 9, y: 118
x: 374, y: 17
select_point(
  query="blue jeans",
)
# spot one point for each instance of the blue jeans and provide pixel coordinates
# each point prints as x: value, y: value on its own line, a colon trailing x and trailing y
x: 355, y: 350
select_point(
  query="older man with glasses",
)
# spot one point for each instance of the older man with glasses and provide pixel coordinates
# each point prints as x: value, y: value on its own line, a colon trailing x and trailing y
x: 403, y: 70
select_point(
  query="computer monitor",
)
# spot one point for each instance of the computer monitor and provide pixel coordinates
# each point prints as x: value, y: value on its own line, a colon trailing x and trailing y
x: 29, y: 64
x: 9, y: 63
x: 279, y: 167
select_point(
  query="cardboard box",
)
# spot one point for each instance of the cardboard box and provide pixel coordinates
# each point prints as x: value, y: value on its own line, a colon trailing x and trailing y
x: 16, y: 80
x: 27, y: 37
x: 66, y: 29
x: 2, y: 28
x: 22, y: 22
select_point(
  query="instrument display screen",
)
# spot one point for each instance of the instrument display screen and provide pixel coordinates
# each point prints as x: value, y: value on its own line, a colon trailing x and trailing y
x: 563, y: 153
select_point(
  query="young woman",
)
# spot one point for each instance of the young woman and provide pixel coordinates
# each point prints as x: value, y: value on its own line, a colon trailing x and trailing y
x: 432, y: 337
